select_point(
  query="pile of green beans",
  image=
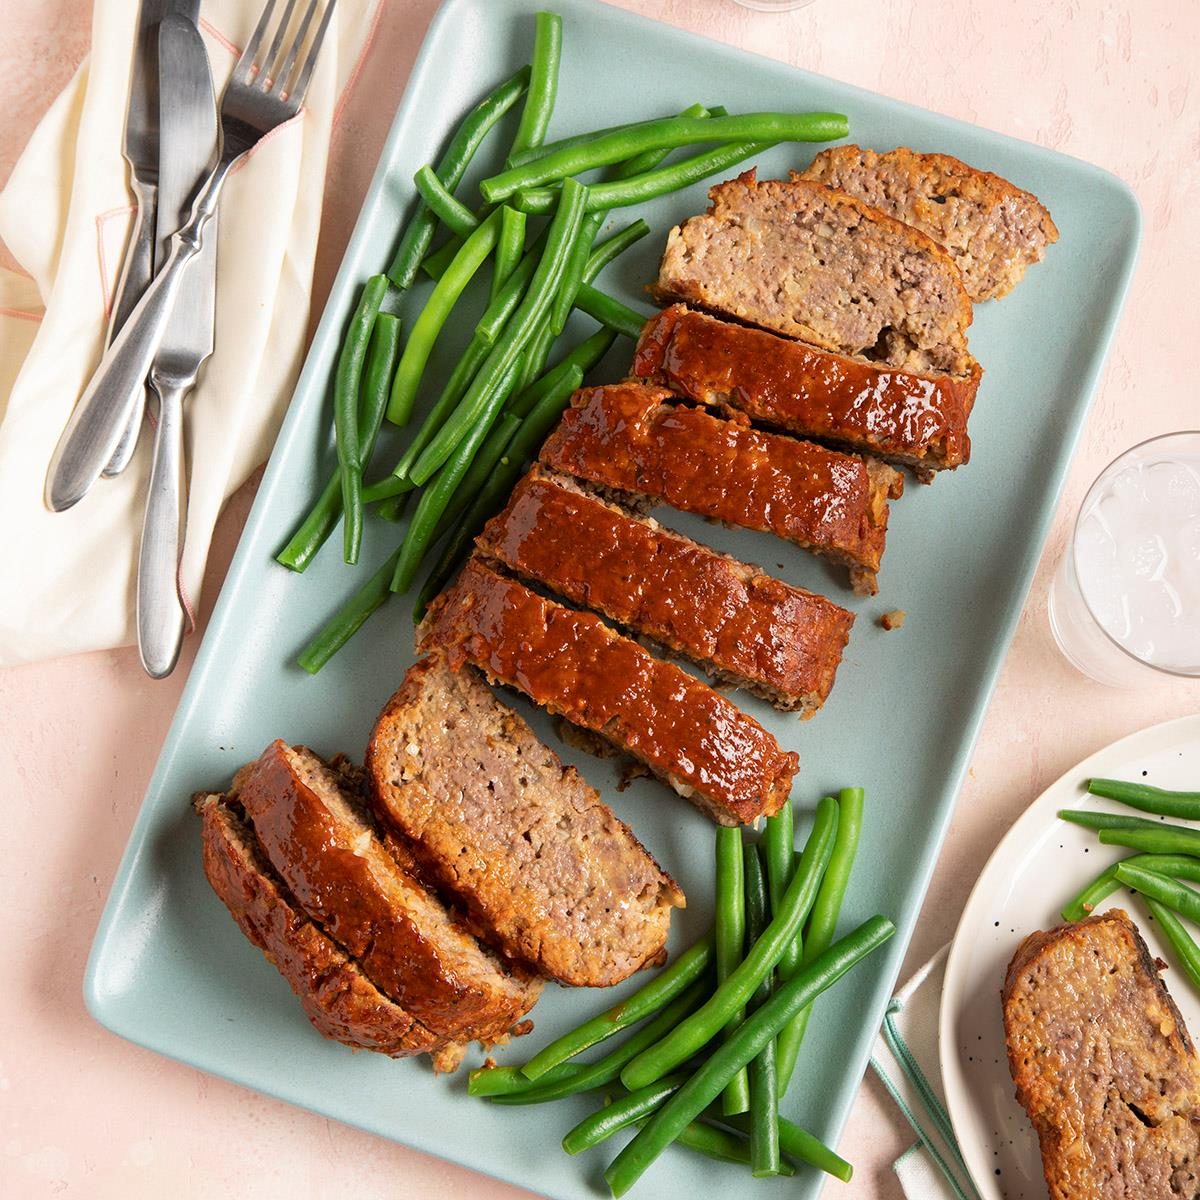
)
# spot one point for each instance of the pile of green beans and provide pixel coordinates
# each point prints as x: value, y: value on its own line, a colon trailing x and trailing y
x: 1168, y: 854
x: 700, y: 1063
x: 487, y: 419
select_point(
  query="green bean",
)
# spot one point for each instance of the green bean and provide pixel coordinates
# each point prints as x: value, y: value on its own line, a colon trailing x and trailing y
x: 1165, y: 839
x: 387, y: 488
x: 533, y: 359
x: 572, y: 277
x: 729, y: 933
x: 346, y: 388
x: 639, y: 164
x: 608, y: 249
x: 310, y: 535
x: 433, y: 316
x: 438, y: 495
x: 1174, y: 865
x: 479, y: 472
x: 778, y: 848
x: 522, y: 326
x: 492, y: 496
x: 509, y: 248
x: 605, y: 1070
x: 802, y: 1146
x: 1094, y: 819
x: 347, y: 621
x: 1175, y: 895
x: 661, y: 134
x: 663, y: 988
x: 758, y: 1029
x: 543, y: 83
x: 504, y: 1081
x: 585, y: 356
x: 1182, y: 942
x: 764, y: 1107
x: 760, y: 960
x: 1148, y: 799
x: 455, y: 215
x: 450, y: 168
x: 822, y: 924
x: 621, y: 193
x: 628, y: 1110
x: 609, y: 311
x: 718, y: 1144
x: 499, y: 310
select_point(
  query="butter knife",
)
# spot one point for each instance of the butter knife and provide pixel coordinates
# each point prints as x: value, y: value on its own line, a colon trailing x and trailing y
x: 188, y: 140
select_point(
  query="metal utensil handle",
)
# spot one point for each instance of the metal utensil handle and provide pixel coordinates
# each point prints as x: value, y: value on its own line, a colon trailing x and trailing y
x: 103, y: 412
x: 160, y: 612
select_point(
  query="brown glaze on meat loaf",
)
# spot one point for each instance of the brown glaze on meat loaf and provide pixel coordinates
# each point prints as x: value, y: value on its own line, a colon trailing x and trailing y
x: 575, y: 666
x: 339, y: 1000
x: 521, y: 841
x: 919, y: 420
x: 1103, y: 1064
x: 625, y: 436
x: 812, y: 263
x: 740, y: 624
x: 321, y: 841
x: 993, y: 230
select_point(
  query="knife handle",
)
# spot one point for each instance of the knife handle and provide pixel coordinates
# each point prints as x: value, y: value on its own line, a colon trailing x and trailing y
x: 104, y: 410
x: 160, y: 612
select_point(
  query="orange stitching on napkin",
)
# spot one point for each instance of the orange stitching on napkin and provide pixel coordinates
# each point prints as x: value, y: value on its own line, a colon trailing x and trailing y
x: 21, y: 314
x: 219, y: 37
x: 107, y: 292
x: 358, y: 64
x: 262, y: 141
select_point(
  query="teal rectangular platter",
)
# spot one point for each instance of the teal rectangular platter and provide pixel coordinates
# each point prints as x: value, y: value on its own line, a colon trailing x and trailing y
x: 170, y: 971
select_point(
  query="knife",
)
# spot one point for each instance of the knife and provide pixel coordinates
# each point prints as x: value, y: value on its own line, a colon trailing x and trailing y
x: 140, y: 150
x: 187, y: 140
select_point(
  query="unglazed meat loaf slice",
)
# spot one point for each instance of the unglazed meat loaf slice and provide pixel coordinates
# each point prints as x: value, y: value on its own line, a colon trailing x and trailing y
x: 993, y: 230
x: 917, y: 419
x: 626, y: 436
x: 318, y: 835
x: 812, y: 263
x: 1103, y: 1064
x: 740, y: 624
x: 521, y: 841
x: 339, y: 1000
x: 575, y: 666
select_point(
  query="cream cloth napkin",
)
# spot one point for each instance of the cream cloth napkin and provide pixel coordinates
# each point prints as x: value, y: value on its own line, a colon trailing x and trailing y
x: 65, y: 214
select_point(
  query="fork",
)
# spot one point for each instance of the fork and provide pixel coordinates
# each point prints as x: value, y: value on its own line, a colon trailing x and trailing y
x: 263, y: 92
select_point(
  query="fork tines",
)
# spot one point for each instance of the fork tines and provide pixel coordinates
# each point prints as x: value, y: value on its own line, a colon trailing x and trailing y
x: 281, y: 72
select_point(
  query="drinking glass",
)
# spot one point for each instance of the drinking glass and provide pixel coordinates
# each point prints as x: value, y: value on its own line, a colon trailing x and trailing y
x: 773, y: 5
x: 1124, y: 604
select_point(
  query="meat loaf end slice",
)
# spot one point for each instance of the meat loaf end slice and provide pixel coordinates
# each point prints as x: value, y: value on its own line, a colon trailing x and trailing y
x: 916, y: 419
x: 743, y: 626
x: 1103, y: 1064
x: 993, y: 230
x: 319, y: 837
x: 575, y: 666
x: 804, y: 260
x: 339, y: 1000
x: 519, y: 839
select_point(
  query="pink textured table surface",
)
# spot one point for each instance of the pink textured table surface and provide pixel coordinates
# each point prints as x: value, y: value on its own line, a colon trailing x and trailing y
x: 84, y: 1114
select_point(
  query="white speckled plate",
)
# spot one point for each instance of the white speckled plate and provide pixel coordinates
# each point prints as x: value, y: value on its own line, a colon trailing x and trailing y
x: 1041, y: 863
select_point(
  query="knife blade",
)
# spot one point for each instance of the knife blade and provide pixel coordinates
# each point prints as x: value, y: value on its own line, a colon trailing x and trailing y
x: 187, y: 144
x: 141, y: 151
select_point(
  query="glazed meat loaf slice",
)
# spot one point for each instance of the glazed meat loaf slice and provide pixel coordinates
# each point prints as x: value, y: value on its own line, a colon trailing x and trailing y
x: 993, y: 230
x: 803, y: 260
x: 575, y: 666
x: 916, y: 419
x: 318, y: 835
x: 522, y: 842
x: 743, y: 626
x: 627, y: 437
x: 1103, y: 1064
x: 339, y: 1000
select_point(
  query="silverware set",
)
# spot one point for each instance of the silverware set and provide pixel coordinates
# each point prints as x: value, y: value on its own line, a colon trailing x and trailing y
x: 179, y: 151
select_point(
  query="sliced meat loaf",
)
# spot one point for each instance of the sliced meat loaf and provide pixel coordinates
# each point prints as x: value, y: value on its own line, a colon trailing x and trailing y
x: 1103, y: 1064
x: 816, y: 264
x: 917, y: 419
x: 993, y: 230
x: 627, y: 436
x: 318, y: 835
x: 737, y: 622
x: 575, y: 666
x: 339, y: 1000
x: 522, y: 842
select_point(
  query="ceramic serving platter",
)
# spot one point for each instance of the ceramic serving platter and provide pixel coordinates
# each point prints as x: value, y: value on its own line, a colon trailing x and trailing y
x: 169, y: 969
x: 1040, y: 865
